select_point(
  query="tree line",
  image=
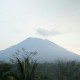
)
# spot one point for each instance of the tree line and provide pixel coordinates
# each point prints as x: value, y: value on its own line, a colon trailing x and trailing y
x: 26, y: 68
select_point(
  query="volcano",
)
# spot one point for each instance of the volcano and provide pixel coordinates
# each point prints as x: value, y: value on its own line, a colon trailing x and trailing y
x: 47, y: 50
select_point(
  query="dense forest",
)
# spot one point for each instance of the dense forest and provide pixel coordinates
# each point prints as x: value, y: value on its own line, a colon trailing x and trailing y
x: 26, y: 68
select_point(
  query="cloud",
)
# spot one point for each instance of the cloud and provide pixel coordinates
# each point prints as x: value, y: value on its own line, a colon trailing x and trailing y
x: 44, y: 32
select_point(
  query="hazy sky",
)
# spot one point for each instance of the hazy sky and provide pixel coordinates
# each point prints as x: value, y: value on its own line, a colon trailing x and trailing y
x: 56, y: 20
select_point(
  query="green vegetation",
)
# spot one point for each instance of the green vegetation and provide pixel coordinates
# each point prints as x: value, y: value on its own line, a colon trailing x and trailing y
x: 26, y: 68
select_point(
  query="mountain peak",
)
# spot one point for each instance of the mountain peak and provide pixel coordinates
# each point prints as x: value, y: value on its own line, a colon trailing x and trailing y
x: 34, y: 38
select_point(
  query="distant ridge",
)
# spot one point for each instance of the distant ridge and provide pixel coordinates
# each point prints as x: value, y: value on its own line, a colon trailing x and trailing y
x: 47, y: 50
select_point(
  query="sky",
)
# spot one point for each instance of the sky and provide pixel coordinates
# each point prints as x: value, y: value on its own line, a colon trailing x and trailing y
x: 56, y: 20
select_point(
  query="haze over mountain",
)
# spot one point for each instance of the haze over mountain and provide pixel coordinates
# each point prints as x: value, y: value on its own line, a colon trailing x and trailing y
x: 47, y: 50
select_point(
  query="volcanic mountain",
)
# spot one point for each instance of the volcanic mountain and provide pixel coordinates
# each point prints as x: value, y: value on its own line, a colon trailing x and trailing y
x: 47, y: 50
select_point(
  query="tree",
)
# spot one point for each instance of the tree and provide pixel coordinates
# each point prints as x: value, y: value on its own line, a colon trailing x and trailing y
x: 25, y: 64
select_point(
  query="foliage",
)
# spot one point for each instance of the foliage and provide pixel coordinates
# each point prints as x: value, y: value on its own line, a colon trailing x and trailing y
x: 60, y: 70
x: 4, y: 67
x: 26, y: 68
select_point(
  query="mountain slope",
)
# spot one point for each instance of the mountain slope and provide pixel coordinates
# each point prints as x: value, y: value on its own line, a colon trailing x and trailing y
x: 47, y: 50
